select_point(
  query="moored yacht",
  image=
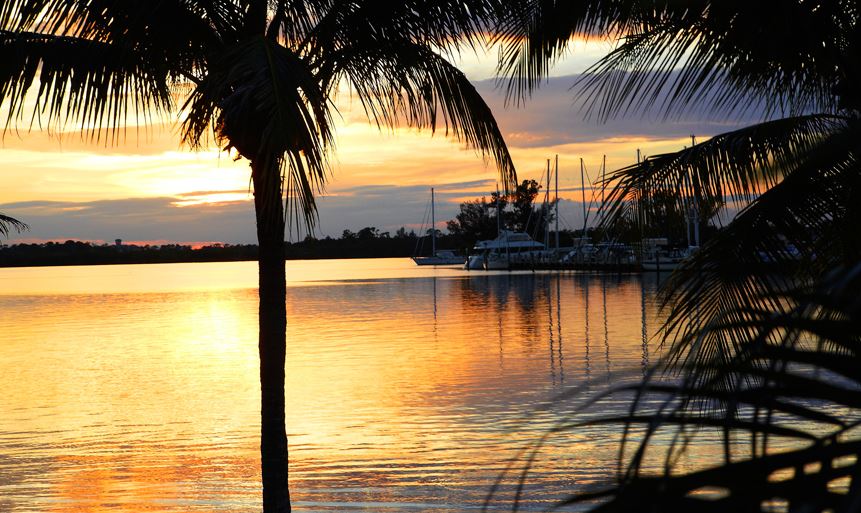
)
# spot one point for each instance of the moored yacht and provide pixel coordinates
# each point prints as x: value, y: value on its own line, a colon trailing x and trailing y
x: 500, y: 253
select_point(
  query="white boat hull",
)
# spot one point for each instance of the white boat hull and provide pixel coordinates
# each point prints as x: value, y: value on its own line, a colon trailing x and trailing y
x: 497, y: 263
x: 438, y: 260
x: 475, y: 262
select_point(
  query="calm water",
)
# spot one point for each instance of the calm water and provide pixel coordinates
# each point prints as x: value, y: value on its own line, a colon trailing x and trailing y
x: 135, y: 388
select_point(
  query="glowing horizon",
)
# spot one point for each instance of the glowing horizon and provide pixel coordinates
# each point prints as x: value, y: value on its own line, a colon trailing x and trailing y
x: 148, y: 187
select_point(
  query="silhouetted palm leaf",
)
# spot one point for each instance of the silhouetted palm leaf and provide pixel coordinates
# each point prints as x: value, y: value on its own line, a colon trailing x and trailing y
x: 799, y: 370
x: 264, y: 101
x: 8, y: 224
x: 733, y: 168
x: 101, y: 70
x: 788, y: 428
x: 403, y: 83
x: 732, y: 53
x: 796, y: 232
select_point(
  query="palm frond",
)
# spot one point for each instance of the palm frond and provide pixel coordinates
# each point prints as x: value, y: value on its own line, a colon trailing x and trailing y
x: 730, y: 168
x: 733, y: 55
x: 9, y: 224
x: 293, y: 21
x: 806, y: 358
x: 100, y: 64
x: 534, y: 34
x: 792, y: 234
x: 679, y: 61
x: 441, y: 24
x: 404, y: 83
x: 88, y: 82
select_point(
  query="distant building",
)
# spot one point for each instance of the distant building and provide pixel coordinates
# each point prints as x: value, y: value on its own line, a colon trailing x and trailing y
x: 118, y: 242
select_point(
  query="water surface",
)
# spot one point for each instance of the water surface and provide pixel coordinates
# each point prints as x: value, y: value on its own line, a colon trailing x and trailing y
x: 135, y: 388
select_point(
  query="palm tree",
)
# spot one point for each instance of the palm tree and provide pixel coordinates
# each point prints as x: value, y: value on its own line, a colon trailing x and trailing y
x: 763, y: 320
x: 8, y: 224
x: 259, y: 77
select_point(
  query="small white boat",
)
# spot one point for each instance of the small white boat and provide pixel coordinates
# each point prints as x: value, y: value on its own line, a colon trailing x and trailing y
x: 508, y: 248
x: 442, y: 257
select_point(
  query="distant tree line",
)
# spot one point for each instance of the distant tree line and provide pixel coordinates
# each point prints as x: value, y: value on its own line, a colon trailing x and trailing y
x: 73, y: 252
x: 476, y: 220
x: 369, y: 242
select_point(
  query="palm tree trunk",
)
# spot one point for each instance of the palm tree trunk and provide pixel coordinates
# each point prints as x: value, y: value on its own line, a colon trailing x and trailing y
x: 272, y: 335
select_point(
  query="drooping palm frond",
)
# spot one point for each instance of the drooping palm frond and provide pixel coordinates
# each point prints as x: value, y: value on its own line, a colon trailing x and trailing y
x: 402, y: 80
x: 734, y: 167
x: 799, y: 373
x: 711, y: 56
x: 404, y: 83
x: 101, y: 68
x: 440, y: 24
x: 292, y: 21
x: 88, y: 82
x: 788, y: 433
x: 9, y: 224
x: 534, y: 34
x: 731, y: 54
x: 794, y: 233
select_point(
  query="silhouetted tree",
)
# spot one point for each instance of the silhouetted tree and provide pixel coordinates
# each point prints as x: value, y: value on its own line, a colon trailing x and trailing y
x: 260, y: 76
x: 477, y: 219
x: 522, y: 217
x: 369, y: 232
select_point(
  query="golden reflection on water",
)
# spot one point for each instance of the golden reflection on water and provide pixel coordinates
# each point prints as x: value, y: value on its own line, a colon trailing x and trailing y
x: 407, y: 388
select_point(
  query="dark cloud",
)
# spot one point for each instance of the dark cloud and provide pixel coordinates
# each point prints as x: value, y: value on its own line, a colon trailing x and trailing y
x: 556, y: 115
x: 135, y: 219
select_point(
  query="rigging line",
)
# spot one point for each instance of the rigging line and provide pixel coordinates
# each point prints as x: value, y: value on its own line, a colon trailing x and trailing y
x: 531, y: 210
x: 591, y: 196
x: 420, y: 238
x: 547, y: 209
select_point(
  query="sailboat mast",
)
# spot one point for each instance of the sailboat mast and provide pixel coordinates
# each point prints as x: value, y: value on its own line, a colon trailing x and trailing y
x: 498, y: 214
x: 583, y: 195
x: 547, y: 212
x: 556, y: 173
x: 433, y: 226
x: 603, y: 178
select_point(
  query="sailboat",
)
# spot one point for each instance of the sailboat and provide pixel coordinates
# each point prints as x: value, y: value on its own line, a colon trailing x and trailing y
x: 443, y: 256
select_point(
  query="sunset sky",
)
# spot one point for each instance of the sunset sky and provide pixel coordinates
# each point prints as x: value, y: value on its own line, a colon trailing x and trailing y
x: 149, y: 188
